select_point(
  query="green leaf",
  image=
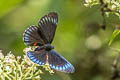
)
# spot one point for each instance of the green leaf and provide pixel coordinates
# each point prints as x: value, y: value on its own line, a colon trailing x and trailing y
x: 114, y: 34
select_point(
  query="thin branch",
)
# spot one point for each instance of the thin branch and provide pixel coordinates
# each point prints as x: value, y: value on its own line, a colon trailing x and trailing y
x: 115, y: 68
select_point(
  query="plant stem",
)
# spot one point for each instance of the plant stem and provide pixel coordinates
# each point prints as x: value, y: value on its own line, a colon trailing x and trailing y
x: 28, y: 72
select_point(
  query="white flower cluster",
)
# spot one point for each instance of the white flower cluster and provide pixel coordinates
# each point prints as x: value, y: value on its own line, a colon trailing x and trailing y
x: 91, y: 3
x: 112, y: 6
x: 17, y: 68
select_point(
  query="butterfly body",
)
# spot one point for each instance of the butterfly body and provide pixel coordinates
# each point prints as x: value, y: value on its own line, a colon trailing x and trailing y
x: 47, y: 47
x: 42, y: 37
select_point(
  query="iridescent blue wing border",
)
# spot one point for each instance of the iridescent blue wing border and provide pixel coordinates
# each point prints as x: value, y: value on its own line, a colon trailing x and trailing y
x: 31, y: 36
x: 59, y: 63
x: 38, y: 57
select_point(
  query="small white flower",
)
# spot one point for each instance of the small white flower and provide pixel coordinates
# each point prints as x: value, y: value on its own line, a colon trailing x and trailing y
x: 1, y: 54
x: 18, y: 57
x: 40, y: 71
x: 86, y: 5
x: 27, y: 49
x: 25, y: 56
x: 113, y: 6
x: 13, y: 65
x: 88, y: 1
x: 1, y: 71
x: 8, y: 69
x: 11, y: 55
x: 27, y: 60
x: 51, y: 71
x: 116, y: 3
x: 7, y: 59
x: 108, y: 1
x: 37, y: 77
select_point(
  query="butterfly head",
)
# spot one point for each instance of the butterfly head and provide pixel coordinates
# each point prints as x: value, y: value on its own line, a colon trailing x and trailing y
x: 48, y: 47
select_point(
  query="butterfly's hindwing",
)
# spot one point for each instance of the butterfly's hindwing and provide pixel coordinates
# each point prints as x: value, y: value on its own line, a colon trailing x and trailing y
x: 55, y: 60
x: 59, y: 63
x: 38, y: 57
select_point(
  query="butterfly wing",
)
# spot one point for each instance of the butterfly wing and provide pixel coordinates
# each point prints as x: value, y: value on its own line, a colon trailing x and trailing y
x: 32, y: 36
x: 38, y: 57
x: 55, y: 60
x: 36, y: 36
x: 59, y: 63
x: 47, y: 26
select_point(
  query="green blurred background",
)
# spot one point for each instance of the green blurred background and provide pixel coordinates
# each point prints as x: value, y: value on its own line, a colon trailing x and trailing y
x: 79, y: 36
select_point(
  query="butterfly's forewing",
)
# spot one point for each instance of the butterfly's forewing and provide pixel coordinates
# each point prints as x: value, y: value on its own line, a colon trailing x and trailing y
x: 44, y: 33
x: 38, y: 57
x: 32, y: 37
x: 59, y: 63
x: 47, y: 26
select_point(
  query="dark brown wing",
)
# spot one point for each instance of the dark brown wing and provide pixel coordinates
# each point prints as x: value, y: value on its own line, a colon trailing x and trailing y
x: 59, y: 63
x: 38, y: 57
x: 47, y: 26
x: 32, y: 37
x: 36, y: 36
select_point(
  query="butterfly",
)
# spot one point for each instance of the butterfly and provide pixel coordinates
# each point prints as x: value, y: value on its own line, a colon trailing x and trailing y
x: 42, y: 37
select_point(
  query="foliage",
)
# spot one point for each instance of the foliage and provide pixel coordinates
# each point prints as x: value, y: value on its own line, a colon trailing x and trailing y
x: 17, y: 68
x: 77, y: 25
x: 114, y: 34
x: 108, y: 6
